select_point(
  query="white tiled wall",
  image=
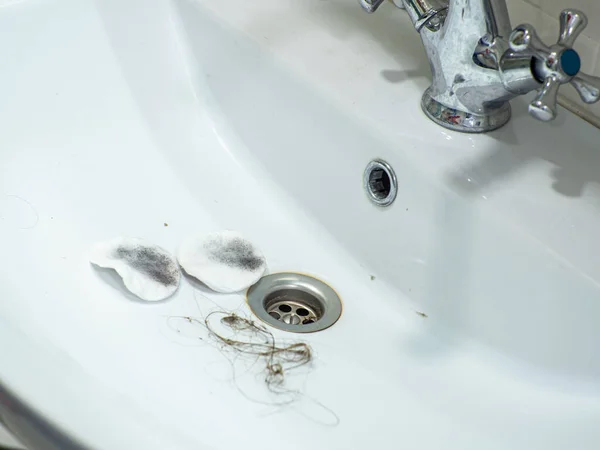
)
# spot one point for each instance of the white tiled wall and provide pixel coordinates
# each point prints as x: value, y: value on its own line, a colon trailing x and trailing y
x: 543, y: 14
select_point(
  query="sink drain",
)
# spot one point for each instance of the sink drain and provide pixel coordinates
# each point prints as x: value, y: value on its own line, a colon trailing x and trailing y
x: 379, y: 181
x: 294, y: 302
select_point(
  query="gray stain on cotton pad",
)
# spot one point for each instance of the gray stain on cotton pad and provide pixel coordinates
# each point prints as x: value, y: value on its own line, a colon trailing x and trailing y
x: 149, y: 262
x: 224, y: 261
x: 147, y: 270
x: 236, y: 253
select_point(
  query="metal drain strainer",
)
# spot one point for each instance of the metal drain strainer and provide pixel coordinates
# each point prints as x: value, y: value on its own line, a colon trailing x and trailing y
x: 294, y: 302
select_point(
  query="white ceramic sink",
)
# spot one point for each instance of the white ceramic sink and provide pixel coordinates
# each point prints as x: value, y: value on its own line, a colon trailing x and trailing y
x: 122, y: 116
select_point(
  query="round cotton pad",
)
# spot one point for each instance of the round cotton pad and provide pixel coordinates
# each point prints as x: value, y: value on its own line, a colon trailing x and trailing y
x: 224, y: 261
x: 147, y: 270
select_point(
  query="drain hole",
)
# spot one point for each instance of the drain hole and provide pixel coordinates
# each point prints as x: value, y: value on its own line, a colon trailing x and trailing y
x: 285, y: 308
x: 294, y: 302
x: 380, y: 183
x: 294, y: 306
x: 302, y: 312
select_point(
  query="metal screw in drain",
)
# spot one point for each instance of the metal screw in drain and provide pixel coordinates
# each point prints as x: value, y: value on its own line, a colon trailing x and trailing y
x: 294, y: 302
x: 380, y: 183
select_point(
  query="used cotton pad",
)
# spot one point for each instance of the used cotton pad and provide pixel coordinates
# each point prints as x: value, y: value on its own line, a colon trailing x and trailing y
x: 224, y: 261
x: 147, y: 270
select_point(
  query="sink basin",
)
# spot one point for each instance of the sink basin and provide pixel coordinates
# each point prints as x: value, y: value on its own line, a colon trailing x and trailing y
x: 470, y: 304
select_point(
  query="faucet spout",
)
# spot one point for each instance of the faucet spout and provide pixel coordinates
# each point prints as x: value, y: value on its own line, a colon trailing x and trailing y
x: 432, y: 14
x: 497, y: 20
x: 426, y: 13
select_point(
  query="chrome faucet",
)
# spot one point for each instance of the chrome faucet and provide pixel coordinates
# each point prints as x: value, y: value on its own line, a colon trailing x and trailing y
x: 479, y: 63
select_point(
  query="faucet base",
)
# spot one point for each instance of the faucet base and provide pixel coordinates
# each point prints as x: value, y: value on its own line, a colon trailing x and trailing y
x: 463, y: 121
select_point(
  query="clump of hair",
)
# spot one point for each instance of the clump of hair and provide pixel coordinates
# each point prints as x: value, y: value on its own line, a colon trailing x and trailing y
x: 256, y: 341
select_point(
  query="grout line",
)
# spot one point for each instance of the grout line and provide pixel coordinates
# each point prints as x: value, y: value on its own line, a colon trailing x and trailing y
x: 578, y: 110
x: 533, y: 4
x: 596, y: 58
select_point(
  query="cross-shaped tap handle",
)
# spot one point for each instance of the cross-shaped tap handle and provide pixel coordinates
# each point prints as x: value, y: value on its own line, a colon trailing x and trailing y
x: 556, y: 65
x: 370, y: 6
